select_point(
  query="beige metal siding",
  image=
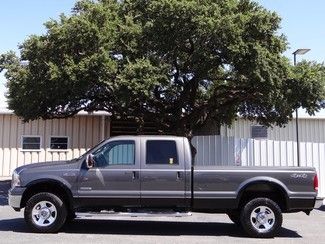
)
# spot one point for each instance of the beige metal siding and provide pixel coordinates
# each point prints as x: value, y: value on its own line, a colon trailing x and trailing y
x: 310, y: 130
x: 83, y: 132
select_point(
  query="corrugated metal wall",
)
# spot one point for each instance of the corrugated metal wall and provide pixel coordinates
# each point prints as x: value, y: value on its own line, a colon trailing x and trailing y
x: 310, y: 130
x: 214, y: 150
x: 223, y: 151
x: 83, y: 133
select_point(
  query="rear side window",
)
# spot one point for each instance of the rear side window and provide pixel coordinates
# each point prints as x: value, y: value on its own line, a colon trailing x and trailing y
x: 161, y: 152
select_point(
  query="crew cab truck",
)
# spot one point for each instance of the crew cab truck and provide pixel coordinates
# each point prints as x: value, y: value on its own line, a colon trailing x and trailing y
x: 154, y: 175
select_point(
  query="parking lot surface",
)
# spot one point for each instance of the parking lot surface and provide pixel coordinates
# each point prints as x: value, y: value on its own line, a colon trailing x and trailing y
x: 198, y: 228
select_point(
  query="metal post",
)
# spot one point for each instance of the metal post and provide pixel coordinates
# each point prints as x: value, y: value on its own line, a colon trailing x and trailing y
x: 297, y: 134
x: 297, y: 123
x: 300, y: 51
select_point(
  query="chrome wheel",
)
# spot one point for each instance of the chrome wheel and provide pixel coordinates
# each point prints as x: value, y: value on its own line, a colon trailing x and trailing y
x: 262, y: 219
x: 44, y: 213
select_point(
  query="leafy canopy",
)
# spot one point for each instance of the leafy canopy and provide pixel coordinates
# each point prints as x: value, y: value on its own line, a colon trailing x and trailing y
x: 178, y: 63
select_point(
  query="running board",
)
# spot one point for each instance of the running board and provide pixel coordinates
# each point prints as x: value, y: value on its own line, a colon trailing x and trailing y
x: 108, y: 214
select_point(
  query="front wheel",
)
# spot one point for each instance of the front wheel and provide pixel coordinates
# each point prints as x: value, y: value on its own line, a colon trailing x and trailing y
x: 261, y: 217
x: 45, y: 212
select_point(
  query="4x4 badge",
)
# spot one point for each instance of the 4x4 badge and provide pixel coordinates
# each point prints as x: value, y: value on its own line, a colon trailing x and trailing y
x: 296, y: 176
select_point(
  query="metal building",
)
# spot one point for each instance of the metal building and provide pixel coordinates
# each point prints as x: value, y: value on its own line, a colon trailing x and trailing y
x: 64, y: 139
x: 48, y: 140
x: 311, y: 129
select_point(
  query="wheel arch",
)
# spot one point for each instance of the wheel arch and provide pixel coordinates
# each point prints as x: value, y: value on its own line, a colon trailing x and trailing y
x: 48, y: 185
x: 263, y: 187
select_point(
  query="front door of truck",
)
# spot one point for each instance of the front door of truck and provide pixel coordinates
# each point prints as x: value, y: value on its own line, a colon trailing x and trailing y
x: 162, y: 172
x: 115, y: 178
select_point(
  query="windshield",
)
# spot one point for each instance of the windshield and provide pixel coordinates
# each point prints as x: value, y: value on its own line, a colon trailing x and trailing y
x: 80, y: 157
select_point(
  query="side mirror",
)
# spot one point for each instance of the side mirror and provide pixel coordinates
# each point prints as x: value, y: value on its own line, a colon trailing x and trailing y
x: 90, y: 161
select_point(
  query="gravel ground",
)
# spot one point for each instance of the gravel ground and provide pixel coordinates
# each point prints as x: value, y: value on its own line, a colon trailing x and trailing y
x: 199, y: 228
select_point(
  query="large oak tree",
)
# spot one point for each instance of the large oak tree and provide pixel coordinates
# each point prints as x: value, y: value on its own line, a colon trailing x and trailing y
x: 178, y: 63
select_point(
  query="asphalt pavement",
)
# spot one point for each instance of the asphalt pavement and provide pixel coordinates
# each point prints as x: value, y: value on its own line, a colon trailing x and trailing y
x: 4, y: 187
x: 198, y: 228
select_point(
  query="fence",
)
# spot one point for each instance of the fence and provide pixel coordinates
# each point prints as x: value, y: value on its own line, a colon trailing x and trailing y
x: 230, y: 151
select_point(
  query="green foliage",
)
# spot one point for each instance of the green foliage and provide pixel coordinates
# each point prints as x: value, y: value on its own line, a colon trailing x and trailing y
x: 305, y: 86
x: 178, y: 63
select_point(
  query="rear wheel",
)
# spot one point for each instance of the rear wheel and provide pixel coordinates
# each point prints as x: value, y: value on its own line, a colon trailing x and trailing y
x: 45, y: 212
x: 261, y: 217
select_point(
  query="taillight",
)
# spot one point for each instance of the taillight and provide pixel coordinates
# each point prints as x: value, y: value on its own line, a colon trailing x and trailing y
x: 316, y: 183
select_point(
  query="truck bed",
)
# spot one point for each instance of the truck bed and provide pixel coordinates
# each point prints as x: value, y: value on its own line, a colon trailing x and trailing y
x: 221, y: 187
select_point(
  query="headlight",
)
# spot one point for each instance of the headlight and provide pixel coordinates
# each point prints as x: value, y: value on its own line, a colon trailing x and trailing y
x: 15, y: 179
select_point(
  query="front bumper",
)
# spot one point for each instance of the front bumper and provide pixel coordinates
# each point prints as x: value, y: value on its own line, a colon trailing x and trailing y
x: 15, y: 196
x: 318, y: 203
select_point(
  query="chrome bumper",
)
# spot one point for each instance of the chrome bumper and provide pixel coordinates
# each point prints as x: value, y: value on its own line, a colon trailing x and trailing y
x: 318, y: 203
x: 15, y: 196
x: 14, y: 200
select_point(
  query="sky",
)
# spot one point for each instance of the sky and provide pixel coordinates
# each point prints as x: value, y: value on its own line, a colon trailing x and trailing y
x: 302, y: 23
x: 21, y: 18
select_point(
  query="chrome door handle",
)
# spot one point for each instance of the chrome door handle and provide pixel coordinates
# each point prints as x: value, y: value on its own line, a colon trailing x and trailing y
x: 134, y: 174
x: 178, y: 175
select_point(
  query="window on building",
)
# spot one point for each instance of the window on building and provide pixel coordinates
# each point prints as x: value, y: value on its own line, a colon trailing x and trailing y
x: 161, y: 152
x: 115, y: 153
x: 259, y: 132
x: 31, y: 142
x: 59, y: 143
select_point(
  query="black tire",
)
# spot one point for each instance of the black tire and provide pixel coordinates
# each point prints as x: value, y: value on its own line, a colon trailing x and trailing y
x: 265, y: 225
x: 234, y: 216
x: 59, y: 218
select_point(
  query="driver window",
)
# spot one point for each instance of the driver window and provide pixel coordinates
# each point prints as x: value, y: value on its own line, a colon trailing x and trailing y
x: 115, y: 153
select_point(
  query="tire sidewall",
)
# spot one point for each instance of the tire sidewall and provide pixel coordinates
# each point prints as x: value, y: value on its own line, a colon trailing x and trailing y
x: 56, y: 201
x: 246, y: 214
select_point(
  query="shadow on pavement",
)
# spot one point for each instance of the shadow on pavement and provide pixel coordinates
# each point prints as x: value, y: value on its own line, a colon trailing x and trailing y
x: 14, y: 225
x: 322, y: 208
x: 136, y: 227
x: 4, y: 187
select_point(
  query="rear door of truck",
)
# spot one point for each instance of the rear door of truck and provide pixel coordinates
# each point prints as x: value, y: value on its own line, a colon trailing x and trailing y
x: 162, y: 172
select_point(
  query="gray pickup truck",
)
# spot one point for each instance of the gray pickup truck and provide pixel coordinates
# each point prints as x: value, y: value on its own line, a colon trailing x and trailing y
x: 155, y: 175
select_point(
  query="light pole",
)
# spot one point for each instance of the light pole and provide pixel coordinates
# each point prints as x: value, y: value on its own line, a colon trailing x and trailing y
x: 301, y: 51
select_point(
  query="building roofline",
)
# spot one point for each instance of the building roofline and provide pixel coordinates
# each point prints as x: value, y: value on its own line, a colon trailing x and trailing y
x: 164, y: 137
x: 302, y: 114
x: 5, y: 111
x: 82, y: 113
